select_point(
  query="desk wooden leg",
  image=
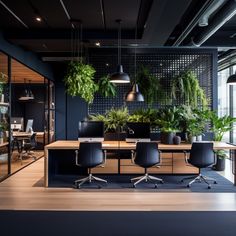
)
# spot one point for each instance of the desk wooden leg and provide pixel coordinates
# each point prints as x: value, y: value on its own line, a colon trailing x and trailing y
x: 234, y: 166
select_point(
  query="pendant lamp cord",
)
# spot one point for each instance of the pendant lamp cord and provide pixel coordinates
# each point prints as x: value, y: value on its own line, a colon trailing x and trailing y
x: 81, y: 41
x: 119, y: 41
x: 135, y: 55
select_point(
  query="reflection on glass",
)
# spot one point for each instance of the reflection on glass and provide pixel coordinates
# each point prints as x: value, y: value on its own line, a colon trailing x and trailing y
x: 4, y: 116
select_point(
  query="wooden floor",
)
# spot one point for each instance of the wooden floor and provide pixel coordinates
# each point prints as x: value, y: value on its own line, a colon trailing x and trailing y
x: 24, y: 191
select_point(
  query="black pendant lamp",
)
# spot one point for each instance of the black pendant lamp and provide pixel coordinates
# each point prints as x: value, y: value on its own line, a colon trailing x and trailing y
x: 232, y: 79
x: 134, y: 95
x: 119, y: 77
x: 27, y: 94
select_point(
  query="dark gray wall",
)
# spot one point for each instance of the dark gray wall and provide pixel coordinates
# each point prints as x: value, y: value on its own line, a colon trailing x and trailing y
x: 30, y: 109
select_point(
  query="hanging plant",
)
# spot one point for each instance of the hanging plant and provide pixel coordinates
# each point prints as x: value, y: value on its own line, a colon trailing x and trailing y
x: 186, y: 86
x: 80, y: 81
x: 148, y: 84
x: 106, y: 88
x: 3, y: 79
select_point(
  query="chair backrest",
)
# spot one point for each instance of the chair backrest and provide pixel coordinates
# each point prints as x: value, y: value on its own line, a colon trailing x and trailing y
x: 147, y: 154
x: 29, y: 125
x: 33, y: 140
x: 90, y: 154
x: 201, y: 154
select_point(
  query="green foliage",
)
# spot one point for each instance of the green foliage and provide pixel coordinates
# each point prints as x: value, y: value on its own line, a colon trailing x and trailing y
x: 79, y: 81
x: 186, y: 86
x: 168, y: 119
x: 113, y: 119
x: 148, y: 85
x: 221, y: 154
x: 221, y: 125
x: 3, y: 126
x: 106, y: 88
x: 3, y: 81
x: 145, y: 116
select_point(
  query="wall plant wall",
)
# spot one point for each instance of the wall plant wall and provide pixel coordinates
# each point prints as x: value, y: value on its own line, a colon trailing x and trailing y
x: 163, y: 63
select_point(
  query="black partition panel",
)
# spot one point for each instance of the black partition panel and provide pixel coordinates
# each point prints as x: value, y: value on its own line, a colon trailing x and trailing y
x: 164, y: 64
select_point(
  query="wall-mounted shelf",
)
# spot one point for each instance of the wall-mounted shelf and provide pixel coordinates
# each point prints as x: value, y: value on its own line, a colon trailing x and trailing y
x: 4, y: 144
x: 4, y: 104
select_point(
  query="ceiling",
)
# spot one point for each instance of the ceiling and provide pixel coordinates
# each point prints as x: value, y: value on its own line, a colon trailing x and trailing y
x: 20, y: 73
x: 159, y: 23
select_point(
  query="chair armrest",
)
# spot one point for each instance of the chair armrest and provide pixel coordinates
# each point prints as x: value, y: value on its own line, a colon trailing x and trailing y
x: 77, y: 157
x: 104, y: 159
x: 133, y: 155
x: 186, y: 158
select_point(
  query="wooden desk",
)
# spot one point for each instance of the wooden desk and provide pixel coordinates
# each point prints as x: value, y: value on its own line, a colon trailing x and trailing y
x: 171, y: 160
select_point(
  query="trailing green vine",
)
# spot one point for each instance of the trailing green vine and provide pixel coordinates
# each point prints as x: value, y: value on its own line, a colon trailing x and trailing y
x: 80, y: 81
x: 186, y: 86
x: 106, y: 88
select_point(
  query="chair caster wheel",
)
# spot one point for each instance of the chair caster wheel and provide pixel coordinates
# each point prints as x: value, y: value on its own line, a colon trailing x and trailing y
x: 188, y: 186
x: 155, y: 185
x: 162, y: 182
x: 134, y: 186
x: 209, y: 187
x: 215, y: 182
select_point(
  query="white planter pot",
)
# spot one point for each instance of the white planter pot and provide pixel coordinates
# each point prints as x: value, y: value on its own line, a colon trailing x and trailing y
x: 4, y: 158
x: 2, y: 98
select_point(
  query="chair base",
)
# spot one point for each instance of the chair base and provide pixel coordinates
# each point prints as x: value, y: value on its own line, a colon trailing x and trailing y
x: 146, y: 178
x: 89, y: 179
x: 199, y: 178
x: 26, y: 154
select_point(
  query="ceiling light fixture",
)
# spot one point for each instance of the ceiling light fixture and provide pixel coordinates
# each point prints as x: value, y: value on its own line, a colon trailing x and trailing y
x: 39, y: 19
x: 98, y: 44
x: 27, y: 94
x: 232, y: 80
x: 119, y: 77
x: 134, y: 95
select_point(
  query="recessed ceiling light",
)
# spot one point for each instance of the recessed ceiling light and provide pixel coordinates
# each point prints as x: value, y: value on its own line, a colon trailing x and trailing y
x: 39, y: 19
x: 98, y: 44
x: 107, y: 64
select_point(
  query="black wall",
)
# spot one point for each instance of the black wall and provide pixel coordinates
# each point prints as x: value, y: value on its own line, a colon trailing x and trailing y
x: 29, y: 109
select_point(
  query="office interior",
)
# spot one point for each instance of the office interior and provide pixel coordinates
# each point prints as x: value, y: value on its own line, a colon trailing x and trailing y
x: 46, y: 130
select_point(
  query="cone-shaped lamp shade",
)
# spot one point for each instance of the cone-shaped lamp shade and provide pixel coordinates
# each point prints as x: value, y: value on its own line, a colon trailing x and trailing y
x: 134, y: 95
x: 232, y: 80
x: 119, y: 77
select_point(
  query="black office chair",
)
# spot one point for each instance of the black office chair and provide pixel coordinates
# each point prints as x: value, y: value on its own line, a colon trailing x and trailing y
x: 201, y: 156
x: 28, y: 145
x: 89, y: 155
x: 146, y: 155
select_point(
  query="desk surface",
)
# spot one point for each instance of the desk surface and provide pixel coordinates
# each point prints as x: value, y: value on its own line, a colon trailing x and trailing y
x: 69, y: 144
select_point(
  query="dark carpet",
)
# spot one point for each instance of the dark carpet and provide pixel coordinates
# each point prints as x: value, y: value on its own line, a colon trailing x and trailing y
x: 171, y: 183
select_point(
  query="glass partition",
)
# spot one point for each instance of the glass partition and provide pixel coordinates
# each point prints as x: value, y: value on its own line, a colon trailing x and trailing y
x: 4, y: 116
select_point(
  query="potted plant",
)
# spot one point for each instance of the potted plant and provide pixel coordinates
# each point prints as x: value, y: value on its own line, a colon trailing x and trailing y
x: 2, y: 84
x: 220, y: 125
x: 106, y: 88
x: 145, y: 115
x: 169, y: 123
x: 195, y: 129
x: 79, y: 80
x: 3, y: 129
x: 115, y: 121
x: 186, y: 86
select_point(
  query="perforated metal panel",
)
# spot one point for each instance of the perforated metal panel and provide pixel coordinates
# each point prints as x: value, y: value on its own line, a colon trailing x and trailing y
x: 165, y: 64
